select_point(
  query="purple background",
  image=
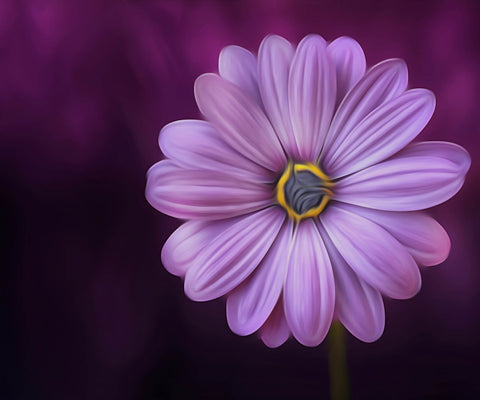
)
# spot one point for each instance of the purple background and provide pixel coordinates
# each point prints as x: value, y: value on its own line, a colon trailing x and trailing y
x: 87, y: 311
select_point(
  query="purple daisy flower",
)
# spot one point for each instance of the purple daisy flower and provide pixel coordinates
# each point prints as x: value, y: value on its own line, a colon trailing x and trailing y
x: 302, y: 191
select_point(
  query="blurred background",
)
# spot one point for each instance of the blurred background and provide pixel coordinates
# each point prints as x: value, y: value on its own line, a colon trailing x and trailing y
x: 86, y: 309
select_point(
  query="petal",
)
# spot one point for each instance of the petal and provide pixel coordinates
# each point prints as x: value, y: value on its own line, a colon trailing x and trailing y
x: 232, y: 257
x: 424, y: 238
x: 350, y: 64
x: 359, y: 306
x: 195, y: 144
x: 311, y: 94
x: 275, y: 331
x: 239, y: 66
x: 184, y: 245
x: 309, y: 287
x: 249, y: 305
x: 385, y: 81
x: 201, y: 194
x: 384, y: 132
x: 274, y: 60
x: 375, y: 255
x: 239, y: 121
x: 423, y: 175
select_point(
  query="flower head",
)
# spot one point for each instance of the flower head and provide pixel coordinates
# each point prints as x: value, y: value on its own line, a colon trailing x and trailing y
x: 303, y: 190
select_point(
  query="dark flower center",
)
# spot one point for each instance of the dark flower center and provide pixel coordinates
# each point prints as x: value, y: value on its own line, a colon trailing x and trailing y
x: 303, y: 190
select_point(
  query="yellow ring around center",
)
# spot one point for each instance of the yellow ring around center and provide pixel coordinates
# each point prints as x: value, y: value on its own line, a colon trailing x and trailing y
x: 313, y: 212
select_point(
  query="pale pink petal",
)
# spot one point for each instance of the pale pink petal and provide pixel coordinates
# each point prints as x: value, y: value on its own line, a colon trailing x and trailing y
x: 228, y: 260
x: 382, y: 133
x: 423, y: 237
x: 239, y: 66
x: 275, y: 331
x: 311, y: 94
x: 195, y: 144
x: 375, y: 255
x: 421, y: 176
x: 239, y: 120
x: 202, y: 194
x: 350, y: 64
x: 249, y: 305
x: 385, y: 81
x: 358, y: 306
x: 184, y: 245
x: 274, y: 60
x: 309, y: 292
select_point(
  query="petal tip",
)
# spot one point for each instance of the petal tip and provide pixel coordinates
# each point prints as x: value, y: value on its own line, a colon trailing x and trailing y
x: 347, y: 40
x: 237, y: 325
x: 467, y: 160
x: 372, y: 338
x: 312, y: 39
x: 427, y: 97
x: 202, y: 82
x: 195, y: 293
x: 271, y: 343
x: 271, y: 37
x: 397, y: 67
x: 167, y: 133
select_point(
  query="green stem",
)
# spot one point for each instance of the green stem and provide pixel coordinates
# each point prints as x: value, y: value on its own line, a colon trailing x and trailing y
x: 337, y: 363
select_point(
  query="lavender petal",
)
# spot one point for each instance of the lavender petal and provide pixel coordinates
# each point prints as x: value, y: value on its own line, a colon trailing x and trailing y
x: 202, y: 194
x: 250, y: 304
x: 350, y: 63
x: 385, y: 81
x: 309, y: 287
x: 421, y: 176
x: 375, y: 255
x: 423, y: 237
x: 358, y: 306
x: 239, y: 120
x: 226, y: 262
x: 311, y: 94
x: 274, y: 60
x: 195, y: 144
x: 239, y: 66
x: 382, y: 133
x: 186, y: 243
x: 275, y: 331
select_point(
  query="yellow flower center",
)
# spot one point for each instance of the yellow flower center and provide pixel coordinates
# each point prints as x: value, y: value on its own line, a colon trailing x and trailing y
x: 303, y: 190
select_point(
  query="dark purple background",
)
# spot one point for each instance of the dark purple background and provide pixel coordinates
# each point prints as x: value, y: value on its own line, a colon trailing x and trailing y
x: 88, y: 312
